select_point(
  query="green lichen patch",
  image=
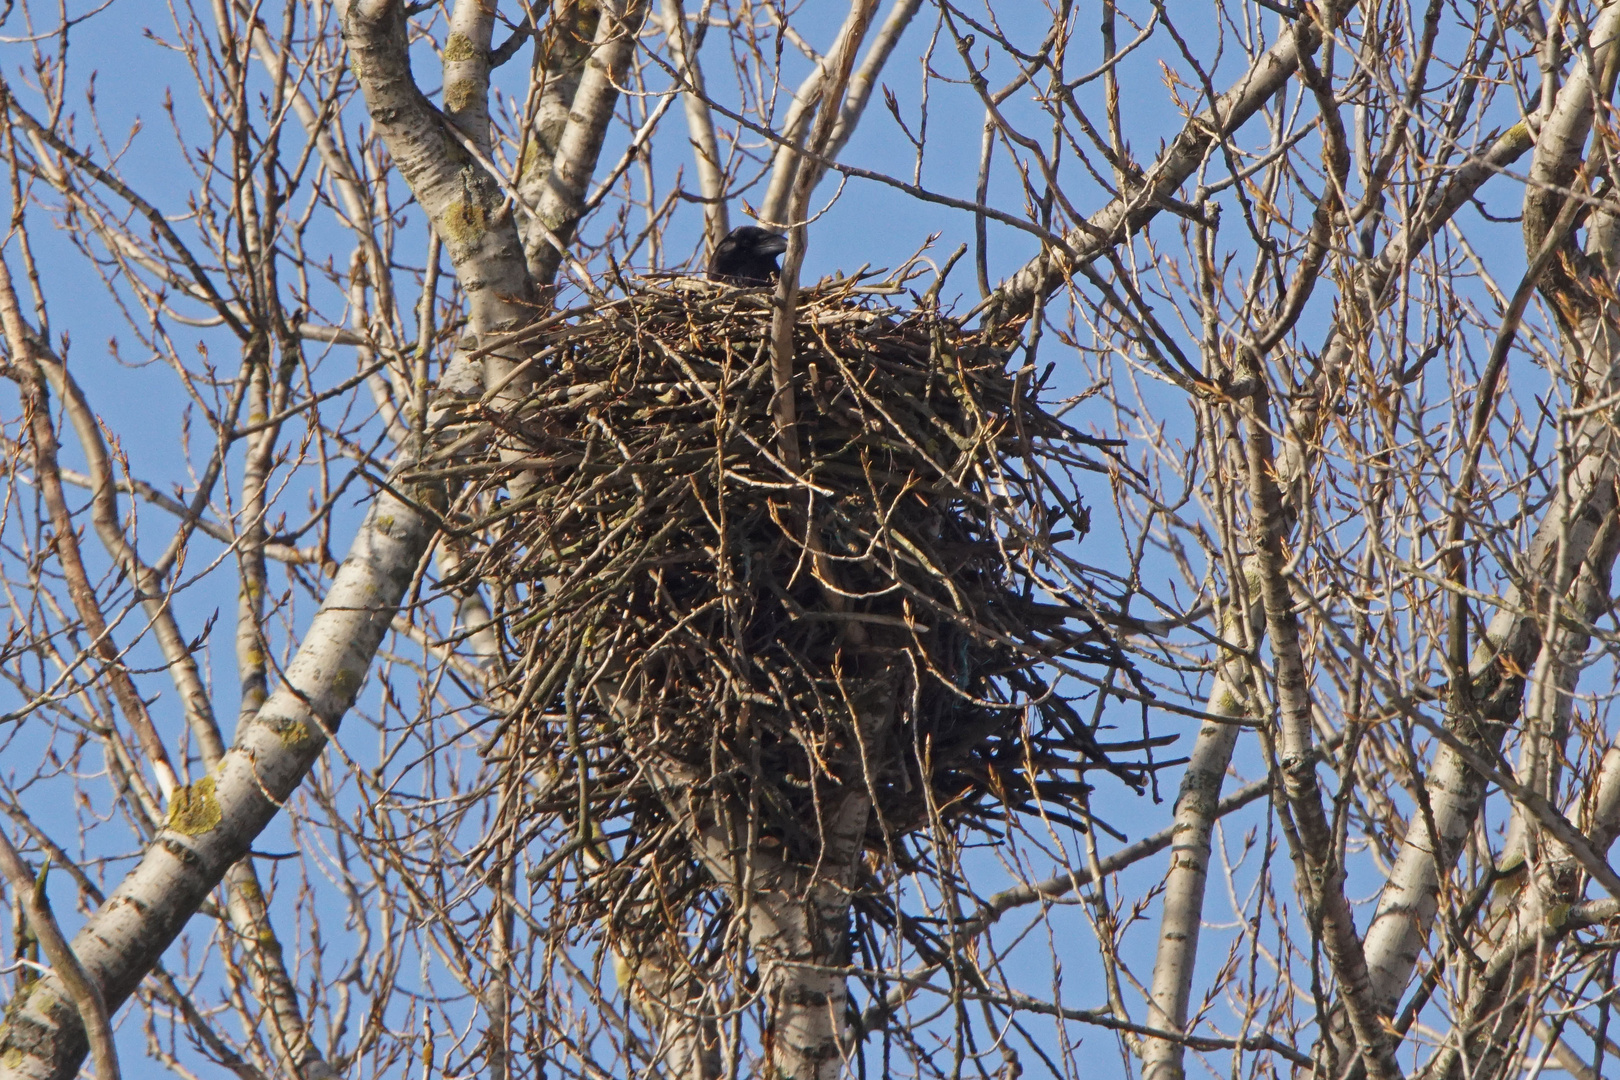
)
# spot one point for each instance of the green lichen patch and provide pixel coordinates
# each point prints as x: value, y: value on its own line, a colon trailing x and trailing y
x: 460, y: 95
x: 534, y: 157
x: 195, y: 809
x: 294, y: 732
x: 346, y: 683
x: 465, y: 221
x: 458, y: 48
x: 18, y: 1003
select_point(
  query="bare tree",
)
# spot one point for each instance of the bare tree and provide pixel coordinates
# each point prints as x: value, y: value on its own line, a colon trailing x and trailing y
x: 1311, y: 311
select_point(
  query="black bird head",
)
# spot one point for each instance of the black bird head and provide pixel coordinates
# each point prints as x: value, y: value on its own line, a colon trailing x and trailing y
x: 747, y: 256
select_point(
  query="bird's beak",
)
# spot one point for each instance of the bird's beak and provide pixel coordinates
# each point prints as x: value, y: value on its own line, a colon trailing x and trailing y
x: 773, y: 245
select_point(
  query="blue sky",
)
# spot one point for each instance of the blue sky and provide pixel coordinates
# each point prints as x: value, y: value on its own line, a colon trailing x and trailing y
x: 132, y: 72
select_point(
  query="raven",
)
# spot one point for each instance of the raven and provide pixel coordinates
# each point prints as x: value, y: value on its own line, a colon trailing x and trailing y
x: 747, y: 256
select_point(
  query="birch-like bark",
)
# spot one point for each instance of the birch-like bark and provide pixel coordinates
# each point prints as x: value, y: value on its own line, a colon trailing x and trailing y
x: 1586, y: 535
x: 1316, y: 856
x: 1187, y: 876
x: 1196, y: 810
x: 683, y: 50
x: 1491, y: 1024
x: 562, y: 199
x: 559, y: 64
x: 658, y: 979
x: 1186, y: 879
x: 773, y: 211
x: 1409, y: 900
x: 466, y: 70
x: 249, y: 917
x: 468, y: 209
x: 796, y: 912
x: 467, y: 206
x: 344, y: 178
x: 1314, y: 846
x: 1490, y: 1028
x: 1546, y: 908
x: 251, y: 662
x: 213, y: 822
x: 1602, y: 821
x: 1561, y: 147
x: 835, y: 67
x: 1547, y: 709
x: 859, y: 92
x: 1128, y: 213
x: 587, y: 55
x: 496, y: 995
x: 245, y: 903
x: 86, y: 995
x: 246, y: 906
x: 249, y: 913
x: 1561, y: 545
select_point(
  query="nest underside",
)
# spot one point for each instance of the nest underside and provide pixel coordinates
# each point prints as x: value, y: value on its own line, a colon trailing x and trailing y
x: 893, y: 610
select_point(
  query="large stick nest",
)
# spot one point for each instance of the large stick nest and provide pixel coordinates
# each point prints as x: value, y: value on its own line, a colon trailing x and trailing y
x: 673, y: 585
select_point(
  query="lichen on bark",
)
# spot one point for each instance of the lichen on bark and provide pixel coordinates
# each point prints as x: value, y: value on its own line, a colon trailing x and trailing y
x: 195, y: 809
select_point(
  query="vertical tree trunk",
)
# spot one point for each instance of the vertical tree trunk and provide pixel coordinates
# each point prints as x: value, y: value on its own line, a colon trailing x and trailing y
x: 795, y: 909
x: 1183, y: 906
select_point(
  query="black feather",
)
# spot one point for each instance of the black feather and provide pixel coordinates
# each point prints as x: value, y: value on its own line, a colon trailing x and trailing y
x: 747, y: 256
